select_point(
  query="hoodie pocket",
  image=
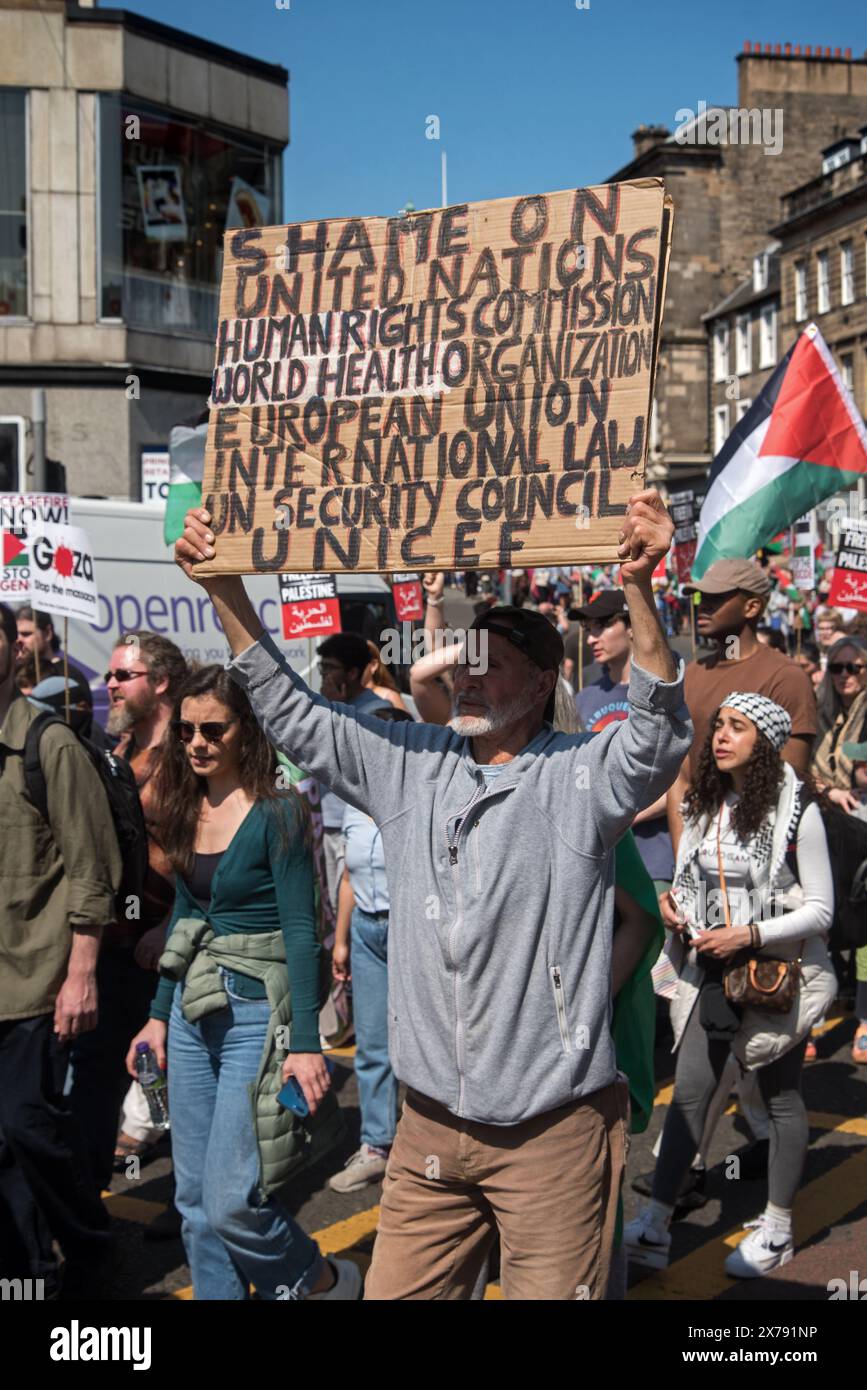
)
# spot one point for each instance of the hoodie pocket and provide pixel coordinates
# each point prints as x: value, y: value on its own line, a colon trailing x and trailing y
x: 560, y: 1006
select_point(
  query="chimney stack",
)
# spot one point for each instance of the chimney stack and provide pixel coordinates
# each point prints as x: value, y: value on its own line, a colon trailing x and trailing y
x: 646, y: 136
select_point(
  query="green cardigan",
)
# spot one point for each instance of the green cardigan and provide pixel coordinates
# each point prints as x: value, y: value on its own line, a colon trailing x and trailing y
x: 264, y: 883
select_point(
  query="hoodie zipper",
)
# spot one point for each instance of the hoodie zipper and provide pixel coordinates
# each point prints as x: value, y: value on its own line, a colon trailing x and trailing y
x: 459, y: 914
x: 560, y: 1005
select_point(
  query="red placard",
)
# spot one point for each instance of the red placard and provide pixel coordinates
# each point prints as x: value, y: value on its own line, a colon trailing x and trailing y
x: 683, y: 557
x: 408, y: 597
x: 309, y: 605
x: 849, y: 580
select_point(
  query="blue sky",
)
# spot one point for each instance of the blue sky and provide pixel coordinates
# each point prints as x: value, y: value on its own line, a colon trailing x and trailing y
x: 531, y: 95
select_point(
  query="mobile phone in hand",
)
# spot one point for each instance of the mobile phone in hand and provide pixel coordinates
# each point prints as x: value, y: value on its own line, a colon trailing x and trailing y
x: 291, y: 1097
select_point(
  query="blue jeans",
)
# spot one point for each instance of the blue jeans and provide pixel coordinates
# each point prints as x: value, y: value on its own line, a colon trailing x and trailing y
x: 232, y: 1239
x: 377, y: 1083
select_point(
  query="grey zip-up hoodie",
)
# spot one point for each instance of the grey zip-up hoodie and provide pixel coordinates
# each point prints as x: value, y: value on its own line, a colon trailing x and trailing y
x: 499, y: 944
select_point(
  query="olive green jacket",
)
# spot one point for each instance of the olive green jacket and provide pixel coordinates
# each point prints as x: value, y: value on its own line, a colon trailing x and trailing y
x: 54, y: 876
x: 286, y: 1143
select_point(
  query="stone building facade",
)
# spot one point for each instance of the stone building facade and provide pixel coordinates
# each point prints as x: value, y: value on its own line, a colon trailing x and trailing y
x: 816, y: 270
x: 823, y: 259
x: 129, y: 148
x: 727, y: 193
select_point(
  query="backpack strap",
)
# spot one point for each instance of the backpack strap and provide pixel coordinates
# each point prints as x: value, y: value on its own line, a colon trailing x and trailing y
x: 34, y: 777
x: 803, y: 800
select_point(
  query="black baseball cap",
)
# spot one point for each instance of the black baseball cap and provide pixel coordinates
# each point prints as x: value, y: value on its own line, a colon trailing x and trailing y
x: 530, y: 632
x: 607, y: 603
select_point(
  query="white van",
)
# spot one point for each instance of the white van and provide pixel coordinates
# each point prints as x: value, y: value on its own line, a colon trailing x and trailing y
x: 140, y: 586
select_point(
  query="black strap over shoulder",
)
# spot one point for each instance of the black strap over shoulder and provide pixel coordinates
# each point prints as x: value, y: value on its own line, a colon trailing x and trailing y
x: 34, y: 777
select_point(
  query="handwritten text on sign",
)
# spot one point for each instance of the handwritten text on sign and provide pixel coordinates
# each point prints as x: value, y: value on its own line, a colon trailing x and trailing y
x: 452, y: 389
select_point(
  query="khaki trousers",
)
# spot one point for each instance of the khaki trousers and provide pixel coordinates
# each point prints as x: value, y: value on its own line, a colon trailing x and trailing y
x: 548, y: 1186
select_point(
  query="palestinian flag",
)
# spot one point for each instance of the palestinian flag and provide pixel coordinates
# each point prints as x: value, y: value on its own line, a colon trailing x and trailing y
x: 187, y: 462
x: 15, y: 549
x: 801, y: 440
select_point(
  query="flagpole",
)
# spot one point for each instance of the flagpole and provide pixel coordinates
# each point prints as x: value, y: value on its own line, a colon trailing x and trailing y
x: 66, y: 666
x: 692, y: 622
x: 581, y: 642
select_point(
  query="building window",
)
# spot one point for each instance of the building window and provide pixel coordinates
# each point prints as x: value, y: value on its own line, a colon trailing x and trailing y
x: 847, y: 273
x: 847, y: 370
x: 13, y: 204
x: 800, y: 291
x: 167, y: 197
x: 760, y: 272
x: 768, y: 336
x: 721, y: 352
x: 823, y: 284
x: 720, y: 427
x: 741, y: 409
x: 743, y: 345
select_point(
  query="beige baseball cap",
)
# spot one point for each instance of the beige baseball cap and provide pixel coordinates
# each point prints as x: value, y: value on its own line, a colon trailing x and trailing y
x: 727, y: 575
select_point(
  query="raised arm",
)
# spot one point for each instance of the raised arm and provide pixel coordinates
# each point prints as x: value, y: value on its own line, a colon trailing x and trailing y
x: 359, y: 757
x: 633, y: 763
x: 646, y: 537
x: 228, y: 595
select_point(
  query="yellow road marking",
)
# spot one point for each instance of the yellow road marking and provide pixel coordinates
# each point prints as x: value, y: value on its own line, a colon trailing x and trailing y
x: 700, y: 1276
x: 133, y: 1208
x: 332, y: 1240
x: 838, y: 1123
x: 821, y: 1029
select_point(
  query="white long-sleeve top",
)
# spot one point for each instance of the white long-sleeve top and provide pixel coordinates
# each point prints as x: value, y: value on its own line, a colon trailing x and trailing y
x: 815, y: 909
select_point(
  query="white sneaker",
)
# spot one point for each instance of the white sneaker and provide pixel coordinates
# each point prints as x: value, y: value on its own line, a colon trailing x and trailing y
x: 647, y: 1242
x: 347, y: 1285
x: 764, y: 1249
x: 362, y: 1168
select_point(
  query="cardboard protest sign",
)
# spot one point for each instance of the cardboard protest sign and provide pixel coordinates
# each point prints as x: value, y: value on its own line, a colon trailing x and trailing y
x: 683, y: 511
x: 408, y: 595
x: 18, y: 512
x: 62, y: 574
x: 849, y: 580
x: 309, y: 605
x: 462, y: 388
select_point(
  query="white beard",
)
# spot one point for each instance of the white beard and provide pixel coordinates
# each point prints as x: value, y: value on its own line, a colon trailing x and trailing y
x: 120, y: 718
x: 475, y: 725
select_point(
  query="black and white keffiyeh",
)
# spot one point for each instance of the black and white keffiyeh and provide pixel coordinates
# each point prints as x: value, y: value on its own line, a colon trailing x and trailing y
x: 769, y: 718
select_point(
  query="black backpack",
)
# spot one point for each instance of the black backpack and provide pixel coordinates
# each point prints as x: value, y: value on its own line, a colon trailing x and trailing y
x: 118, y: 779
x: 847, y: 850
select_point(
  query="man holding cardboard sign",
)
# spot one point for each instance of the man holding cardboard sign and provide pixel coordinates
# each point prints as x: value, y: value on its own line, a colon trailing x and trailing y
x: 498, y: 835
x: 464, y: 388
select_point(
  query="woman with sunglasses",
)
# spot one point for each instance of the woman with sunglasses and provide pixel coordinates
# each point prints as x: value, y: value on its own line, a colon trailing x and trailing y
x: 753, y: 874
x: 239, y: 847
x: 842, y: 702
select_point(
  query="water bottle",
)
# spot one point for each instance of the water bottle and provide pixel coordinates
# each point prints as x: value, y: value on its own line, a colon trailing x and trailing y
x: 153, y: 1082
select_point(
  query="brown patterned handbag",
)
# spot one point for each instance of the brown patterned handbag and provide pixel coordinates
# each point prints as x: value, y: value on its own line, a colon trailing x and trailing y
x: 752, y: 981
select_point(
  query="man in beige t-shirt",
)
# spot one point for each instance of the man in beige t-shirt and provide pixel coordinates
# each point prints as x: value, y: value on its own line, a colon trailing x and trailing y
x: 734, y: 594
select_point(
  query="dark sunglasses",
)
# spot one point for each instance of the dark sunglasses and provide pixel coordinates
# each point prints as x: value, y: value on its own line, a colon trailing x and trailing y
x: 213, y: 730
x: 121, y: 675
x: 852, y: 668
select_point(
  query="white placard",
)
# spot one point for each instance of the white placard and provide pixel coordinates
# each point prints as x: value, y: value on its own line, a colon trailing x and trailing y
x: 19, y: 511
x: 155, y: 473
x: 62, y: 576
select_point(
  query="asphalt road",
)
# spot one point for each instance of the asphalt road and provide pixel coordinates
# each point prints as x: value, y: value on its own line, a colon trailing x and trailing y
x: 830, y: 1215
